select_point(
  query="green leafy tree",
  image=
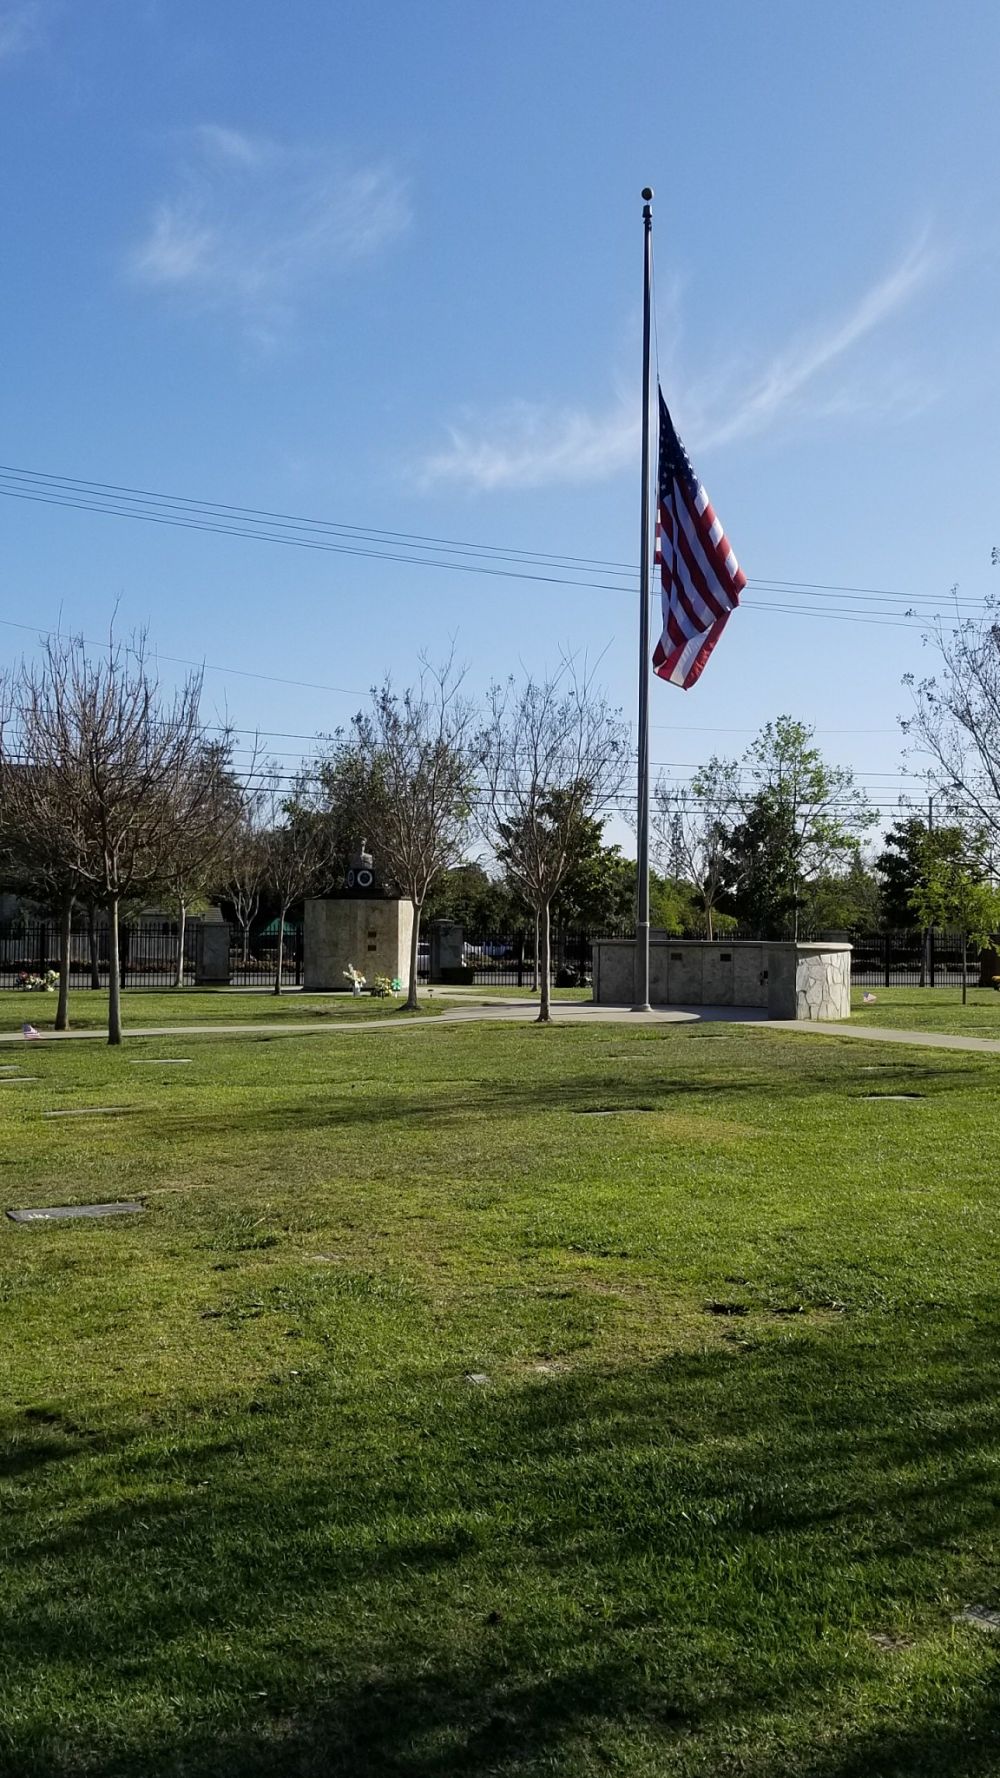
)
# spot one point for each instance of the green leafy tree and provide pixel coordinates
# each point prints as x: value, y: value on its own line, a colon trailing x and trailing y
x: 910, y: 849
x: 763, y: 867
x: 481, y: 904
x: 848, y: 899
x: 954, y: 892
x: 802, y: 818
x: 599, y: 887
x: 691, y: 830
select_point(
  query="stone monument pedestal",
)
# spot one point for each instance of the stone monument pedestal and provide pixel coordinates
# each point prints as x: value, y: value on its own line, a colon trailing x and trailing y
x: 211, y: 969
x: 372, y: 934
x: 447, y: 950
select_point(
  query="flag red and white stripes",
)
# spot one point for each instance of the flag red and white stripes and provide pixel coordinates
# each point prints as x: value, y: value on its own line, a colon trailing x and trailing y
x: 700, y: 576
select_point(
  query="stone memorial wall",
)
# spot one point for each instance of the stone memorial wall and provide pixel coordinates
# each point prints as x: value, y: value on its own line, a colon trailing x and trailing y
x: 784, y: 980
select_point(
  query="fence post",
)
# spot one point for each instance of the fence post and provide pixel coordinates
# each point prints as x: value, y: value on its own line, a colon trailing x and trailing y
x: 43, y: 946
x: 888, y: 952
x: 932, y: 958
x: 298, y: 955
x: 520, y: 959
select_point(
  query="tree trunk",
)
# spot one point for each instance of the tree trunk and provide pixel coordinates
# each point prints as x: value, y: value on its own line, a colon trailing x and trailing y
x: 114, y: 975
x: 245, y: 924
x: 181, y: 927
x: 544, y: 1014
x: 534, y: 984
x: 95, y: 962
x: 281, y: 952
x: 65, y: 939
x: 965, y: 947
x: 710, y: 931
x: 412, y: 1004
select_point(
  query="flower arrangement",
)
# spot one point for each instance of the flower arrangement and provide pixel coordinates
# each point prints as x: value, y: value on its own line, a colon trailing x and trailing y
x: 355, y: 978
x: 38, y: 984
x: 381, y: 988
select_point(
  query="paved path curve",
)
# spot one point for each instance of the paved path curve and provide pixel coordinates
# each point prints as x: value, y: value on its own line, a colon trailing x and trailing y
x: 565, y: 1012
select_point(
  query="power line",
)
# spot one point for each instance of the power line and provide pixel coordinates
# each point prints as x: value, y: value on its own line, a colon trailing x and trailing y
x: 714, y: 728
x: 202, y: 666
x: 267, y: 525
x: 411, y: 538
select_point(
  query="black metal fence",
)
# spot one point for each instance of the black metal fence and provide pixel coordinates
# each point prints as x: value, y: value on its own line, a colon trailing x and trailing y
x: 147, y: 949
x: 879, y: 959
x: 911, y: 960
x: 507, y: 960
x: 29, y: 951
x: 254, y: 964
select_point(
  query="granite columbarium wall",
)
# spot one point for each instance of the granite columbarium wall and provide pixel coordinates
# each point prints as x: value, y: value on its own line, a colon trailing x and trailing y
x: 785, y: 980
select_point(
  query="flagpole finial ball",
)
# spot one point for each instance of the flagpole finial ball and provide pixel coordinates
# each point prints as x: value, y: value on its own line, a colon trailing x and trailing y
x: 647, y: 193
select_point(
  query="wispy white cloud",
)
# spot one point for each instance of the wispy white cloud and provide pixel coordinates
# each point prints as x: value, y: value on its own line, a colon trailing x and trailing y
x: 789, y: 382
x: 527, y: 446
x: 255, y: 228
x: 530, y: 446
x: 21, y: 25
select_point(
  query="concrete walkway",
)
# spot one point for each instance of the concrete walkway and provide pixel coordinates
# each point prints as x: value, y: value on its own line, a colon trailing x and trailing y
x: 520, y: 1011
x: 568, y: 1012
x: 935, y: 1040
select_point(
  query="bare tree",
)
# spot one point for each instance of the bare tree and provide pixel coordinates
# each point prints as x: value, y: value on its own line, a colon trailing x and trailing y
x: 413, y: 758
x: 691, y: 828
x: 552, y: 754
x: 242, y: 871
x: 213, y: 808
x: 122, y: 764
x: 297, y: 850
x: 954, y: 731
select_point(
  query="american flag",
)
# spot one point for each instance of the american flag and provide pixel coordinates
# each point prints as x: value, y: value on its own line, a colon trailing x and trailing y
x: 702, y: 580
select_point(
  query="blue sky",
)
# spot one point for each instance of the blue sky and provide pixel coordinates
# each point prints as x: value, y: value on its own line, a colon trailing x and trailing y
x: 382, y: 266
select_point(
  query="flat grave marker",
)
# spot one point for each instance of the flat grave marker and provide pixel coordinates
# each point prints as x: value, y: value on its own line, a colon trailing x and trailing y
x: 58, y: 1212
x: 93, y: 1111
x: 157, y: 1061
x: 981, y: 1617
x: 613, y: 1110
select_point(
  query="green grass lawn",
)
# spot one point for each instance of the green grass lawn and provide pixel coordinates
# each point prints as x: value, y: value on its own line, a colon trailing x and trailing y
x: 425, y: 1425
x: 930, y: 1009
x: 88, y: 1010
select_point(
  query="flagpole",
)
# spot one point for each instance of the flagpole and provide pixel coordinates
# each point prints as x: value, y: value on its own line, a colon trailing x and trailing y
x: 641, y: 981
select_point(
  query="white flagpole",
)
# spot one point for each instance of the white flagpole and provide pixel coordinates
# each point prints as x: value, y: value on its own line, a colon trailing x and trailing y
x: 641, y: 983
